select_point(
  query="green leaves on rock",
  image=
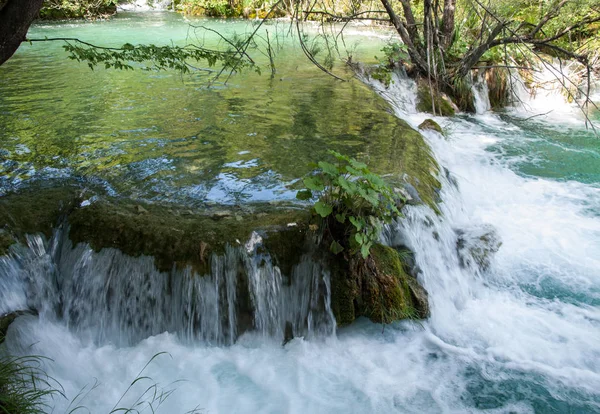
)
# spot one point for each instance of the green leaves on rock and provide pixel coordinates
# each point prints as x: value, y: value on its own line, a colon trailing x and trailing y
x: 353, y: 202
x: 359, y: 224
x: 323, y: 209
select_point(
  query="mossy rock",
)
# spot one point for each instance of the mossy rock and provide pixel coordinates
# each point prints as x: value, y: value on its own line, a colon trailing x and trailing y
x: 497, y: 80
x: 184, y: 237
x: 34, y: 210
x: 425, y: 101
x: 378, y: 288
x: 431, y: 125
x: 172, y: 234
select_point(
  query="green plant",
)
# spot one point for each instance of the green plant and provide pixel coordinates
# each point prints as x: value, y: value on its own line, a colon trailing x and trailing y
x: 90, y: 9
x: 353, y: 203
x: 394, y: 54
x: 24, y: 386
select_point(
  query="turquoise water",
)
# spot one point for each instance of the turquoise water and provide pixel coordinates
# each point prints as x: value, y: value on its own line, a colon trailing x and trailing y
x: 521, y: 337
x: 161, y: 135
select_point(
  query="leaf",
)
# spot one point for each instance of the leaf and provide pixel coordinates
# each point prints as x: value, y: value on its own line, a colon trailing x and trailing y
x: 357, y: 164
x: 375, y: 180
x: 357, y: 223
x: 337, y: 155
x: 359, y: 238
x: 348, y: 186
x: 341, y: 218
x: 329, y: 168
x: 323, y: 209
x: 304, y: 195
x: 336, y: 247
x: 314, y: 183
x: 365, y: 249
x: 353, y: 171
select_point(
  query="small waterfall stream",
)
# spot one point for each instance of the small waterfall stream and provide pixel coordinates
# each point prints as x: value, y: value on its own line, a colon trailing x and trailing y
x: 481, y: 95
x: 110, y: 297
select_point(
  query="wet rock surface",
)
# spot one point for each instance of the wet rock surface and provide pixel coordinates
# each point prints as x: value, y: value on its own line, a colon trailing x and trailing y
x: 476, y: 246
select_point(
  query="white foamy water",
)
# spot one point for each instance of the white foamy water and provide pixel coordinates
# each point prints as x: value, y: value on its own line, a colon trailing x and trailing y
x: 521, y: 336
x: 145, y: 5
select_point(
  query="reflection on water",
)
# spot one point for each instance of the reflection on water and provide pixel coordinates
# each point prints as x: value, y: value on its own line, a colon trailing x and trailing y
x: 163, y: 136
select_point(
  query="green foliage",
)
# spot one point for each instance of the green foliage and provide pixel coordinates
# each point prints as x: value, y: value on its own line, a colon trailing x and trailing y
x: 161, y: 57
x: 211, y: 8
x: 394, y: 54
x: 352, y: 198
x: 61, y: 9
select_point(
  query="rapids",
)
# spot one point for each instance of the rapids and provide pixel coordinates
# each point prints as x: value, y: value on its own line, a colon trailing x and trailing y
x: 521, y: 336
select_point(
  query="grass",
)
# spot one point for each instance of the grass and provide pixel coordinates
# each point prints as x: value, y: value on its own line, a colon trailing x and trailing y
x: 25, y: 388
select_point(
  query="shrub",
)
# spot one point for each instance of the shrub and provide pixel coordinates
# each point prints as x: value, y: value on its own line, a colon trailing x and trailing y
x: 61, y: 9
x: 353, y: 203
x: 395, y: 54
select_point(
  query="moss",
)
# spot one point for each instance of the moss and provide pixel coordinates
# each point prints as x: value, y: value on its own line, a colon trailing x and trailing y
x: 497, y: 80
x: 461, y: 93
x: 183, y: 237
x: 33, y: 210
x: 425, y: 101
x: 286, y: 246
x: 430, y: 124
x: 344, y: 291
x: 386, y: 295
x: 378, y: 288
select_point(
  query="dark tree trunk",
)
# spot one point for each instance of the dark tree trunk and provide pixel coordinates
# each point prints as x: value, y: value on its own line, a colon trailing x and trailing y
x: 15, y: 18
x: 448, y: 22
x: 415, y: 56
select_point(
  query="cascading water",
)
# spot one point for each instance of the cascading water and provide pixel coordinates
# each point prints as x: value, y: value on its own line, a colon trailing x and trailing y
x: 519, y: 335
x: 146, y: 5
x: 110, y: 297
x: 481, y: 97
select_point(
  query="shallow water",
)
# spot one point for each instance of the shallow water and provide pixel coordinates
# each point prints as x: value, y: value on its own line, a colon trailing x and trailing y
x: 163, y: 136
x: 520, y: 337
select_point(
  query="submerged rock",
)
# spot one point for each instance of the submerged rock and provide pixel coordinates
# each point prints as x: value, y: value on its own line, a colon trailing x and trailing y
x: 475, y: 246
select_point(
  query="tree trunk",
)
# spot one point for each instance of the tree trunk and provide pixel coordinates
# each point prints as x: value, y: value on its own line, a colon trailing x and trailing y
x: 416, y: 57
x: 448, y: 22
x: 472, y: 57
x: 15, y: 18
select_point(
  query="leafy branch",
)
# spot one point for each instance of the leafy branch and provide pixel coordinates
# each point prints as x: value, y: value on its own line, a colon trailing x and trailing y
x: 160, y: 57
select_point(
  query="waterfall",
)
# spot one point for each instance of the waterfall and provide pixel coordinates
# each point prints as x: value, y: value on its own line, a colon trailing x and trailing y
x: 481, y: 98
x: 146, y: 5
x: 109, y: 297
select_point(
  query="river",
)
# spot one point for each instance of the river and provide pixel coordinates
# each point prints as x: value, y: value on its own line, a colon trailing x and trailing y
x: 520, y: 337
